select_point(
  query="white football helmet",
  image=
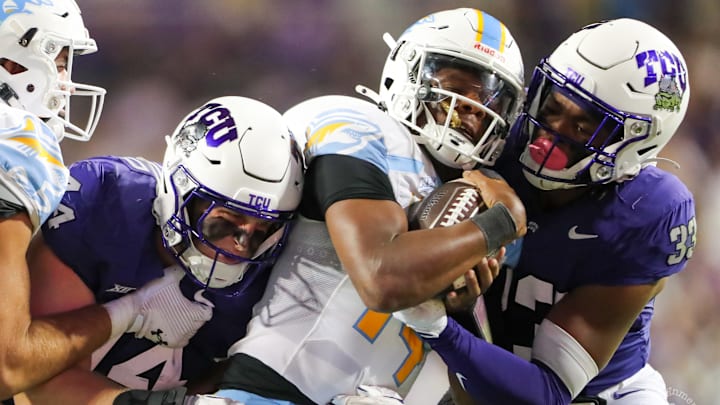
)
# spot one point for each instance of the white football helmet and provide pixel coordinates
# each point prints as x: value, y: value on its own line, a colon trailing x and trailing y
x: 32, y: 34
x: 235, y: 153
x: 466, y: 39
x: 632, y: 83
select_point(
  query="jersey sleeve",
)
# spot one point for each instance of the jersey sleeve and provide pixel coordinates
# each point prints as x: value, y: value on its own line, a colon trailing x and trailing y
x: 349, y: 131
x: 32, y: 173
x: 359, y: 179
x: 345, y: 150
x: 69, y: 233
x: 657, y: 230
x: 490, y: 374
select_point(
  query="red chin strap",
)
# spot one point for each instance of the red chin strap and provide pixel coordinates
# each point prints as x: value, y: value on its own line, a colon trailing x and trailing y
x: 541, y: 148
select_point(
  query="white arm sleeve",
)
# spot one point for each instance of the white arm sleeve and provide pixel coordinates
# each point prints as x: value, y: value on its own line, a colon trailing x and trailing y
x: 558, y: 350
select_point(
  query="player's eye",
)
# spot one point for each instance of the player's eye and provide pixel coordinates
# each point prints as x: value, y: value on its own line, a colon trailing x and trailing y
x: 217, y: 228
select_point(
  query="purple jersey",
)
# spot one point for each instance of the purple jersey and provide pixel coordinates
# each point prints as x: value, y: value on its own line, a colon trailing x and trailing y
x: 104, y: 229
x: 634, y: 232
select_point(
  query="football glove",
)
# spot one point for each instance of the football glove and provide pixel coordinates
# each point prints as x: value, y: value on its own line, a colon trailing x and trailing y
x: 428, y: 319
x: 369, y: 395
x: 160, y: 312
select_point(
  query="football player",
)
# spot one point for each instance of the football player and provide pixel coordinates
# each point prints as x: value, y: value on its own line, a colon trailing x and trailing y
x: 451, y: 85
x: 214, y: 216
x: 608, y: 228
x: 39, y: 41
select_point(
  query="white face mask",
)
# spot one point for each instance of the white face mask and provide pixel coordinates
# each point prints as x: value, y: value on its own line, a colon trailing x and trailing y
x: 223, y: 275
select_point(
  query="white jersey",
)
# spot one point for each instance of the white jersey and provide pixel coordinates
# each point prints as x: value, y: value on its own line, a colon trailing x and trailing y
x: 311, y: 326
x: 32, y: 173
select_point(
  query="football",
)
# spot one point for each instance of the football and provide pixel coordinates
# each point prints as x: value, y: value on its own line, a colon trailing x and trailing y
x: 449, y: 204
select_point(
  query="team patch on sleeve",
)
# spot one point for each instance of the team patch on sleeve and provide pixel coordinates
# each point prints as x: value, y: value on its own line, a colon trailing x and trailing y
x: 32, y: 167
x: 346, y: 132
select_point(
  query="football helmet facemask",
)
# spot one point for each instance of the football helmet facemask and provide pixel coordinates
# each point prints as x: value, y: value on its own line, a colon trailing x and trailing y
x: 602, y: 106
x: 415, y: 89
x: 232, y: 156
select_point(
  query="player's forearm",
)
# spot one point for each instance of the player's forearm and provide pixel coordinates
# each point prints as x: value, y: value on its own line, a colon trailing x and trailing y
x: 49, y: 345
x: 393, y: 268
x: 77, y: 385
x: 493, y: 375
x: 417, y: 265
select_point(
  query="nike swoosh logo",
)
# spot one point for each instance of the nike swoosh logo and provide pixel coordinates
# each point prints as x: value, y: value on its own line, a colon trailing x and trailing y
x: 574, y: 234
x: 461, y: 379
x: 618, y: 395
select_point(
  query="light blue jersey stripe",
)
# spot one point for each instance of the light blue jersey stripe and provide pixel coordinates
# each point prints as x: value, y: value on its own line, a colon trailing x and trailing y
x: 405, y: 164
x: 248, y: 398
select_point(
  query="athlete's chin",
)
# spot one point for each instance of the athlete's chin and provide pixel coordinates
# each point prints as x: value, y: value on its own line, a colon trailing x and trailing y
x: 233, y: 260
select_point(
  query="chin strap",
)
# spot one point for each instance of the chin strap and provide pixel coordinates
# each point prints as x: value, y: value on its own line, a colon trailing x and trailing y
x: 648, y: 162
x: 372, y: 95
x: 675, y: 164
x: 9, y: 96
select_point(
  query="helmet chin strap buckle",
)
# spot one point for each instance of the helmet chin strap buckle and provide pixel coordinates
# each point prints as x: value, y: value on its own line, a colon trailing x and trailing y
x: 9, y: 96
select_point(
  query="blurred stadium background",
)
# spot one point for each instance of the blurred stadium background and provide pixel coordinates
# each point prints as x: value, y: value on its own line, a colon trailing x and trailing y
x: 160, y: 59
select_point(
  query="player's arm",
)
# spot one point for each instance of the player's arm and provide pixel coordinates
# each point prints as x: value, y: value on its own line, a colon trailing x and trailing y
x: 33, y: 350
x: 391, y: 267
x: 459, y: 395
x: 575, y: 341
x: 75, y: 386
x: 56, y: 288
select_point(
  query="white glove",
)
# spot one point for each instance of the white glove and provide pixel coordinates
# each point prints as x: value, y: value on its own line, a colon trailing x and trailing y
x: 427, y: 319
x: 369, y: 395
x: 160, y: 312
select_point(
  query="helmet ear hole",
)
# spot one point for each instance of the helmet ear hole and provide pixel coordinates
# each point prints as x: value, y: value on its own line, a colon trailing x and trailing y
x: 642, y: 152
x: 12, y: 67
x: 388, y: 83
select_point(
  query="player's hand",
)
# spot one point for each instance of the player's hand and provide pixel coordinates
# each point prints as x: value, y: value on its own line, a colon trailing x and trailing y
x: 166, y: 317
x: 369, y: 395
x: 474, y: 283
x: 160, y: 312
x: 461, y: 299
x: 488, y: 269
x: 428, y: 319
x: 494, y: 189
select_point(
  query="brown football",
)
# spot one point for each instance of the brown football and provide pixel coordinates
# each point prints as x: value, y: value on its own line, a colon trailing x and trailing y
x: 449, y: 204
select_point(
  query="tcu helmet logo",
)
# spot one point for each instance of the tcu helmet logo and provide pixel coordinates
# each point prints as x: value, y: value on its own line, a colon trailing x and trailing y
x: 668, y: 70
x: 669, y: 96
x: 212, y: 122
x: 260, y: 202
